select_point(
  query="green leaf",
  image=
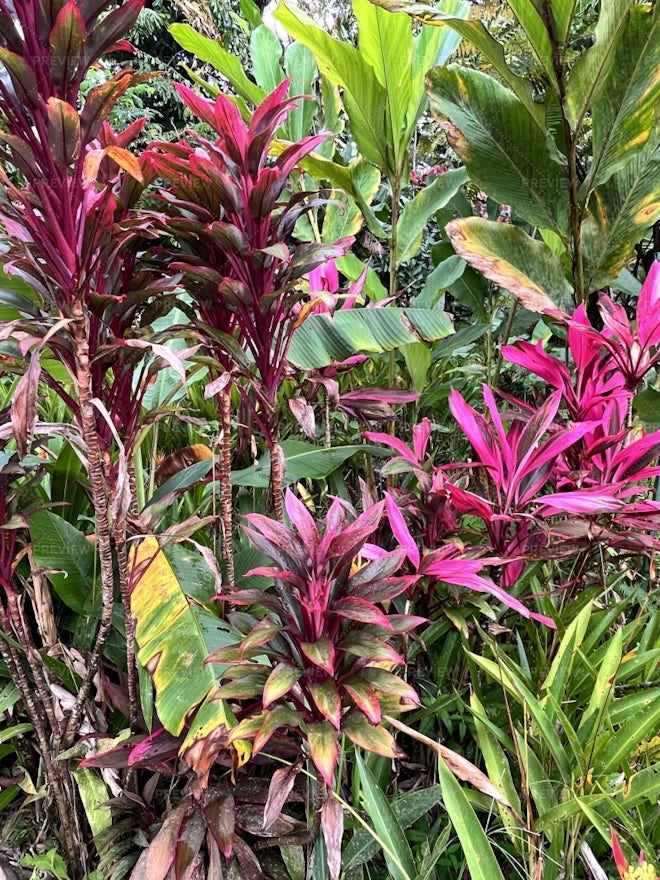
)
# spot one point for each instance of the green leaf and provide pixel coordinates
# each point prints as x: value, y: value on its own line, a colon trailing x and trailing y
x: 364, y: 97
x: 265, y: 52
x: 647, y: 407
x: 385, y: 43
x: 416, y: 213
x: 230, y: 66
x: 538, y: 36
x: 9, y: 696
x: 474, y: 32
x: 497, y: 763
x: 302, y: 461
x: 625, y: 114
x: 352, y: 267
x: 94, y: 796
x: 59, y: 546
x: 621, y: 212
x: 507, y: 157
x: 445, y: 274
x: 174, y: 635
x: 506, y: 255
x: 407, y: 809
x: 15, y: 730
x: 431, y: 47
x: 588, y: 76
x: 417, y: 356
x: 182, y: 480
x: 300, y: 67
x: 342, y: 215
x: 391, y: 837
x: 478, y: 852
x: 502, y: 674
x: 562, y: 664
x: 323, y: 339
x: 562, y: 14
x: 615, y: 752
x: 603, y: 690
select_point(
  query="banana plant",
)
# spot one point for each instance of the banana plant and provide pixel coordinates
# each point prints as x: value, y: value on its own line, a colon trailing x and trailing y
x: 527, y: 149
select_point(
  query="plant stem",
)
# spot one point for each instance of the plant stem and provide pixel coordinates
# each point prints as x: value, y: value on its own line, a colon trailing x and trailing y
x: 63, y: 794
x: 226, y: 500
x: 101, y: 507
x: 507, y: 334
x: 395, y: 185
x: 277, y: 478
x: 571, y: 140
x: 129, y: 625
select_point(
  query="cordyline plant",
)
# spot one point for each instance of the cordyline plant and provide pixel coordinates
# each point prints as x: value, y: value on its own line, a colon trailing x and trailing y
x: 432, y: 516
x: 551, y: 481
x: 328, y: 642
x: 233, y: 219
x: 67, y: 190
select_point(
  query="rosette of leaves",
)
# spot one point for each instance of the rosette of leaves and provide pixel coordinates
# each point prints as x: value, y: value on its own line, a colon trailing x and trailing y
x: 317, y: 651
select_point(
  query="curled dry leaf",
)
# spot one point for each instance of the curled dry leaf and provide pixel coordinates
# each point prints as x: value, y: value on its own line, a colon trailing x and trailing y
x: 180, y: 460
x: 24, y: 405
x: 304, y: 415
x: 463, y: 769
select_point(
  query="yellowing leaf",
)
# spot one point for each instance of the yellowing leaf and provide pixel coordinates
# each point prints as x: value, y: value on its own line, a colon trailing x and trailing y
x: 174, y: 634
x: 506, y: 255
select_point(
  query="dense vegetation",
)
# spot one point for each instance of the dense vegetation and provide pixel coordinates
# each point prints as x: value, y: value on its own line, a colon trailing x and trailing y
x: 329, y: 448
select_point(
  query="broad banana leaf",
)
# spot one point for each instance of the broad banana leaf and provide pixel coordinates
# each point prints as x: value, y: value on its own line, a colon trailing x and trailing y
x: 622, y: 210
x: 175, y: 634
x: 322, y: 340
x: 365, y: 99
x: 589, y: 75
x: 212, y: 52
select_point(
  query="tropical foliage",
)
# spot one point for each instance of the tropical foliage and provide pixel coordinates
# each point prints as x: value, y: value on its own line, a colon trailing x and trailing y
x: 329, y: 459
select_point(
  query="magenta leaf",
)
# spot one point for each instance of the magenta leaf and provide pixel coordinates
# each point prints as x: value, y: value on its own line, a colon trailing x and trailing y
x: 400, y: 531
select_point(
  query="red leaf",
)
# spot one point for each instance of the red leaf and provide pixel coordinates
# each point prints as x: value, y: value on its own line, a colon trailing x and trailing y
x: 321, y: 653
x: 326, y: 697
x: 220, y: 819
x: 280, y: 785
x: 364, y: 696
x: 279, y: 682
x: 401, y: 531
x: 332, y: 825
x: 373, y: 738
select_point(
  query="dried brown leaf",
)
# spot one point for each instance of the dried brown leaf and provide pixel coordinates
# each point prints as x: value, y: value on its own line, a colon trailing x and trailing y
x: 278, y: 791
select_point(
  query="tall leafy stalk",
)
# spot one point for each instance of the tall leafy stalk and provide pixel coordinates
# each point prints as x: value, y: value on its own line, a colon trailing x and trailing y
x: 227, y: 206
x: 66, y: 193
